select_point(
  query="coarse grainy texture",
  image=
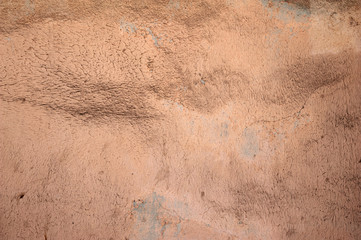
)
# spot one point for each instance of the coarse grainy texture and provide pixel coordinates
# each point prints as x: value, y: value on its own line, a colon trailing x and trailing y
x: 179, y: 119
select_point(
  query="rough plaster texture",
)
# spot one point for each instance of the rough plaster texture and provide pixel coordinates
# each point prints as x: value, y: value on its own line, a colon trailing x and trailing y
x: 235, y: 119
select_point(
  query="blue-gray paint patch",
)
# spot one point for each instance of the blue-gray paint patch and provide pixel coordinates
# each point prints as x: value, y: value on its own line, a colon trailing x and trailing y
x: 250, y: 146
x: 154, y: 37
x: 224, y: 130
x: 285, y: 11
x: 178, y: 230
x: 152, y: 217
x: 174, y: 4
x: 29, y: 7
x: 180, y: 106
x: 128, y: 26
x: 147, y: 217
x: 295, y: 124
x: 132, y: 28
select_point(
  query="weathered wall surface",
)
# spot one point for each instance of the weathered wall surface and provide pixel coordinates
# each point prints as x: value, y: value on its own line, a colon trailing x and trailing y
x: 237, y: 119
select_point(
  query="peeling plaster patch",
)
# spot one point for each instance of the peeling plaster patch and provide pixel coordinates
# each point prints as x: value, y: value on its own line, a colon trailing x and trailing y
x: 174, y: 4
x: 128, y: 26
x: 178, y: 5
x: 236, y: 3
x: 300, y: 122
x: 170, y: 104
x: 178, y: 230
x: 8, y: 39
x: 192, y: 126
x: 286, y: 12
x: 273, y: 40
x: 295, y: 125
x: 131, y: 28
x: 154, y: 37
x: 357, y: 43
x: 147, y: 217
x: 29, y: 7
x: 180, y: 106
x: 224, y: 130
x: 280, y: 135
x: 250, y: 146
x: 154, y: 220
x: 180, y: 207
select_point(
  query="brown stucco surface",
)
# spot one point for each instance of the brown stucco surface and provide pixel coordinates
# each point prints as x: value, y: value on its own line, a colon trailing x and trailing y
x: 237, y: 119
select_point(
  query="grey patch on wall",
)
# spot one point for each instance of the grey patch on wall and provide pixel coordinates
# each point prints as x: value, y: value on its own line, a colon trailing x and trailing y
x: 250, y: 147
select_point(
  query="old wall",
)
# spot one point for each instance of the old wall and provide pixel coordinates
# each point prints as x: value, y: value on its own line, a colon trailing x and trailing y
x: 179, y: 119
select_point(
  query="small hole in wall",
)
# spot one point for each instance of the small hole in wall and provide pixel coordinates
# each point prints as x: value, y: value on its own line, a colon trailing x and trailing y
x: 359, y: 161
x: 21, y: 195
x: 202, y: 194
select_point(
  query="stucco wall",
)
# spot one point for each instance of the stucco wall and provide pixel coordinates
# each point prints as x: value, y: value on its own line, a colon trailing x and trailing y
x: 235, y: 119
